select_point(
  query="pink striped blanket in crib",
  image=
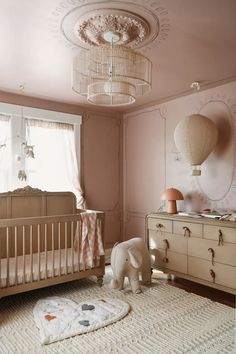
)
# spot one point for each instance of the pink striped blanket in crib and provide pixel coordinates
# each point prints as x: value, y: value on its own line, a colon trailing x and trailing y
x: 88, y: 240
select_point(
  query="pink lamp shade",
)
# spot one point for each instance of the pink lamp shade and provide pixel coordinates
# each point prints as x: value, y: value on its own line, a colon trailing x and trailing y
x: 171, y: 194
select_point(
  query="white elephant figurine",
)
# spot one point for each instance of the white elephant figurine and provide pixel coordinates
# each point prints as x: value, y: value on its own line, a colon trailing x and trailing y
x: 128, y: 259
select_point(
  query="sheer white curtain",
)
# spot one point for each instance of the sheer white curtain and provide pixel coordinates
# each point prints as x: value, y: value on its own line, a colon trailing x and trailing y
x: 5, y: 149
x: 55, y: 166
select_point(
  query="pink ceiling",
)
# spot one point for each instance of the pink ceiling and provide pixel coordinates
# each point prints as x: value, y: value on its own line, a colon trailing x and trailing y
x: 197, y: 41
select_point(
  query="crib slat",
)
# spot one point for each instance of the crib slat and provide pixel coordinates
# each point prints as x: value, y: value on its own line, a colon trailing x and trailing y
x: 72, y: 246
x: 39, y: 252
x: 16, y: 256
x: 78, y: 242
x: 53, y: 250
x: 45, y: 250
x: 59, y: 246
x: 98, y: 259
x: 66, y: 250
x: 0, y: 271
x: 31, y: 253
x: 23, y: 246
x: 7, y: 249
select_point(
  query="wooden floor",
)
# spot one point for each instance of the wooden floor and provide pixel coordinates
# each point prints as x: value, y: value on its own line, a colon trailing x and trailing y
x: 205, y: 291
x: 199, y: 289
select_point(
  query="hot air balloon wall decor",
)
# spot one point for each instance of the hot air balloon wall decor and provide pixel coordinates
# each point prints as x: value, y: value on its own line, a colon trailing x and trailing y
x: 195, y: 137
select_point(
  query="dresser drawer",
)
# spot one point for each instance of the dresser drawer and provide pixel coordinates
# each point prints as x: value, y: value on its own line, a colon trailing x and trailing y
x: 202, y: 248
x: 181, y: 228
x: 212, y: 232
x: 160, y: 225
x: 188, y: 244
x: 176, y: 243
x: 176, y: 261
x: 224, y: 274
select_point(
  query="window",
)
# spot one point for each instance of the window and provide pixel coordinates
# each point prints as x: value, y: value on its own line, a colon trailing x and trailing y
x: 55, y: 138
x: 4, y: 152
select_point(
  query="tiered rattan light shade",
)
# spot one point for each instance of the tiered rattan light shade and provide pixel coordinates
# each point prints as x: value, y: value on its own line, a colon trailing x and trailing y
x: 111, y: 75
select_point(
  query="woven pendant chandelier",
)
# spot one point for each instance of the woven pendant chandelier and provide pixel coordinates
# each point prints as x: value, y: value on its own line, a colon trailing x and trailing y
x: 111, y: 73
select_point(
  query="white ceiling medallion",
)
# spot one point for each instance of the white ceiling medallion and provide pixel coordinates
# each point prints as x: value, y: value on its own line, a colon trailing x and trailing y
x: 107, y: 70
x: 63, y: 19
x: 83, y: 24
x: 129, y: 29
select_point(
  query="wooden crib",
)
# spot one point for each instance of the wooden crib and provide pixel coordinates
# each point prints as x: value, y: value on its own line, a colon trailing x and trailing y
x: 37, y: 233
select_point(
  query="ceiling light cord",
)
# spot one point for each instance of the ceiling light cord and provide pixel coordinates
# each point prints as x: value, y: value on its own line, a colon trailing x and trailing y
x: 111, y: 71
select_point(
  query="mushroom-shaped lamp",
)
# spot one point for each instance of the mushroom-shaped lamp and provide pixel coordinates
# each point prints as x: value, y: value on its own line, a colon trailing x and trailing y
x: 171, y: 194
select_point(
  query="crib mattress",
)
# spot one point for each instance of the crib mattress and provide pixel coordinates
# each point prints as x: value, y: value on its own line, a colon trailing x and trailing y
x: 56, y: 269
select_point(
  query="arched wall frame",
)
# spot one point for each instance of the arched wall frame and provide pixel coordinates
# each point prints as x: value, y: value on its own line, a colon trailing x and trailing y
x: 222, y: 187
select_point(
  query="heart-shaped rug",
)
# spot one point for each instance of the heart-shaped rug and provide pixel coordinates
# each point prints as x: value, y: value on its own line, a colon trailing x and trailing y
x: 59, y: 318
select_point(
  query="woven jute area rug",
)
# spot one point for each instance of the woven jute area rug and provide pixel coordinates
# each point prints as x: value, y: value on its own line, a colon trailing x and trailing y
x: 163, y: 319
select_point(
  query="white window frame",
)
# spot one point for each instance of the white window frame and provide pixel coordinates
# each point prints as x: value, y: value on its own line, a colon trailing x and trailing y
x: 15, y: 111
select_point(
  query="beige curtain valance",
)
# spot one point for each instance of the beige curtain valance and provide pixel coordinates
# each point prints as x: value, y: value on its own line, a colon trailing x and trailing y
x: 48, y: 124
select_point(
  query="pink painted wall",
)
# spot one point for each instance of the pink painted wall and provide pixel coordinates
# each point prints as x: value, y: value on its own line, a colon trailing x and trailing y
x: 140, y: 148
x: 143, y: 167
x: 151, y: 162
x: 101, y: 169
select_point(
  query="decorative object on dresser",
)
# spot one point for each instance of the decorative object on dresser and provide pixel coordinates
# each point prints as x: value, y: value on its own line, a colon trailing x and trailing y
x: 202, y: 250
x: 128, y: 259
x: 195, y: 137
x: 171, y: 194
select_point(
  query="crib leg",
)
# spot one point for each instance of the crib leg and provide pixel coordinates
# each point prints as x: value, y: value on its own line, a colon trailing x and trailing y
x: 100, y: 280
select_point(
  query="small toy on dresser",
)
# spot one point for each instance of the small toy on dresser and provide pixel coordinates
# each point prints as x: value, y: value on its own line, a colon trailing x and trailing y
x: 128, y: 259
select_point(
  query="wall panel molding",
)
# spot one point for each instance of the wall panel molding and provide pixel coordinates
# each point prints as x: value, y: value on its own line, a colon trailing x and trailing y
x: 102, y: 137
x: 144, y: 166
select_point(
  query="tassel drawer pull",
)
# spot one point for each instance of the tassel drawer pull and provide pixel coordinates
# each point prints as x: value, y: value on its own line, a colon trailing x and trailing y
x: 212, y: 255
x: 186, y: 231
x: 213, y: 275
x: 159, y: 226
x: 167, y: 246
x: 166, y: 242
x: 220, y: 239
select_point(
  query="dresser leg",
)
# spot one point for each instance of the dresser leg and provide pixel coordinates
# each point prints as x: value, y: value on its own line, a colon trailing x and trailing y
x: 100, y: 280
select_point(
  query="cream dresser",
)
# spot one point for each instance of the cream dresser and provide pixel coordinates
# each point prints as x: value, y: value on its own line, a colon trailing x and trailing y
x: 202, y: 250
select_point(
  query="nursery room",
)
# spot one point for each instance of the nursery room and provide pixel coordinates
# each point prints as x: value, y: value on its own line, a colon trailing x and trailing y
x: 117, y: 176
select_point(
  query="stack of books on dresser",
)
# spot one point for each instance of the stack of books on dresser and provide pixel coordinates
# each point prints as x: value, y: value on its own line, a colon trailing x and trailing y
x: 206, y: 214
x: 213, y: 214
x: 191, y: 214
